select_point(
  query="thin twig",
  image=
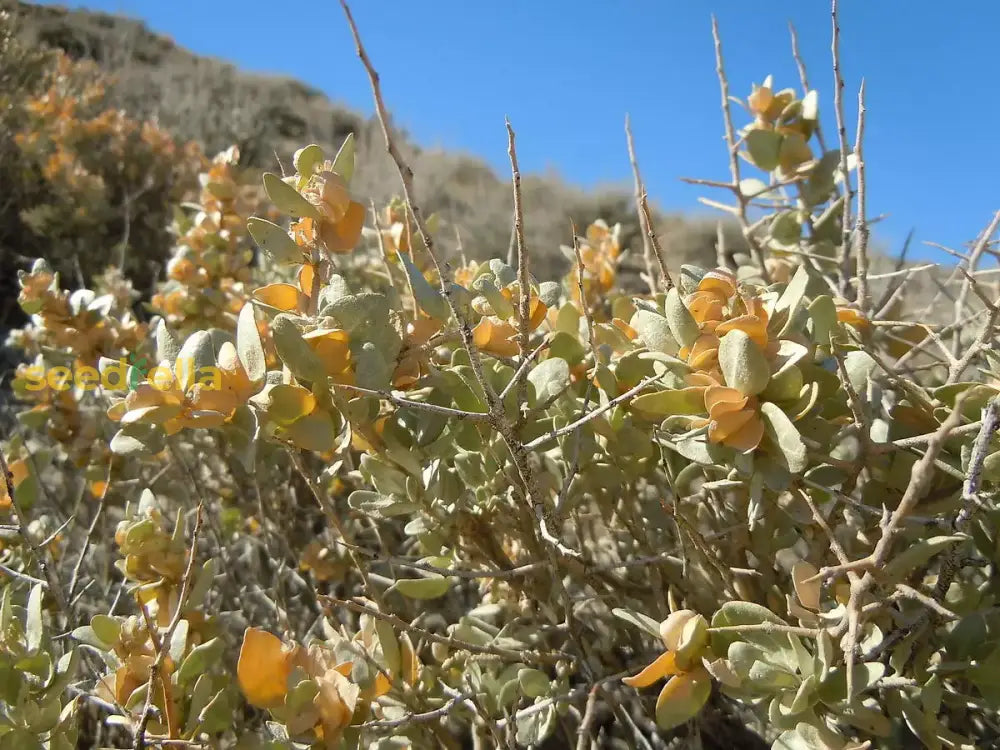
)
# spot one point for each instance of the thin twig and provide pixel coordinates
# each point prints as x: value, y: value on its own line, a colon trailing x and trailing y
x: 523, y: 278
x: 90, y: 532
x: 838, y: 105
x: 650, y: 244
x: 645, y: 382
x: 861, y: 230
x: 411, y: 404
x: 804, y: 79
x: 970, y: 265
x: 756, y: 253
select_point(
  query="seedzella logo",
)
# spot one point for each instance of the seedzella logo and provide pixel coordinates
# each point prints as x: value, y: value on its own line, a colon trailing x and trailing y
x: 123, y: 373
x: 137, y: 370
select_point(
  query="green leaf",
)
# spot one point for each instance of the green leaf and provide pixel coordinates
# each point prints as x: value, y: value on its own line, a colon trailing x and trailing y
x: 135, y: 440
x: 664, y: 403
x: 34, y: 625
x: 823, y: 312
x: 287, y: 199
x: 304, y: 363
x: 641, y: 621
x: 167, y: 344
x: 65, y: 671
x: 654, y: 332
x: 86, y: 634
x: 568, y: 347
x: 534, y: 682
x: 308, y: 159
x: 986, y: 676
x: 834, y: 688
x: 314, y: 432
x: 428, y: 298
x: 501, y: 306
x: 769, y: 678
x: 859, y: 366
x: 202, y: 582
x: 743, y: 364
x: 550, y: 378
x: 791, y: 298
x: 975, y: 636
x: 534, y: 728
x: 869, y: 720
x: 387, y: 479
x: 785, y: 385
x: 683, y: 326
x: 785, y: 436
x: 786, y: 229
x: 343, y: 162
x: 199, y: 659
x: 549, y: 293
x: 179, y: 641
x: 422, y: 588
x: 200, y: 696
x: 804, y: 737
x: 380, y: 506
x: 106, y: 628
x: 737, y: 613
x: 274, y: 241
x: 764, y: 147
x: 505, y: 275
x: 249, y: 346
x: 568, y: 320
x: 196, y: 353
x: 915, y: 555
x: 26, y: 493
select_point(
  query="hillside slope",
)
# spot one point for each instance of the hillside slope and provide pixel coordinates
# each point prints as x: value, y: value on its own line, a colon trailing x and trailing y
x: 213, y: 102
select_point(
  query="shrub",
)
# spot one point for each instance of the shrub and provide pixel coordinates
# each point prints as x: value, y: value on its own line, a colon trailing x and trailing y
x: 366, y: 496
x: 85, y: 185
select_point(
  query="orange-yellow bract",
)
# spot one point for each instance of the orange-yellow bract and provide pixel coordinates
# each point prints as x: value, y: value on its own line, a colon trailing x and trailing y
x: 263, y: 668
x: 685, y: 637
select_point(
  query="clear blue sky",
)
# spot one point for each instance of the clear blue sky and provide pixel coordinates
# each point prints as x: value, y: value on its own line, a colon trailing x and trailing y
x: 567, y: 71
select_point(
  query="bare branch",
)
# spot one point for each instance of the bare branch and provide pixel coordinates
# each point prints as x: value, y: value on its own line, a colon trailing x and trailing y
x: 650, y: 244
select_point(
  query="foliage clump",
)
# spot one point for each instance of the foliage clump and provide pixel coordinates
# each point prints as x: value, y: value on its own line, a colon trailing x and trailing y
x: 85, y: 183
x: 341, y: 491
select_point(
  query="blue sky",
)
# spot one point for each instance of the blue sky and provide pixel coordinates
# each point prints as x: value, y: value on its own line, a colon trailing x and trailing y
x: 567, y: 71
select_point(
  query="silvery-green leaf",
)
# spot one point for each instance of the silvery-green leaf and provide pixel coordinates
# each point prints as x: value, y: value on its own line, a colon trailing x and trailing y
x: 34, y: 626
x: 743, y: 364
x: 422, y: 588
x: 287, y: 199
x: 785, y: 436
x: 307, y: 159
x: 550, y: 378
x: 641, y: 621
x: 343, y: 162
x: 274, y: 241
x: 304, y: 363
x: 682, y: 324
x: 167, y: 344
x: 249, y: 346
x: 654, y: 332
x: 534, y: 682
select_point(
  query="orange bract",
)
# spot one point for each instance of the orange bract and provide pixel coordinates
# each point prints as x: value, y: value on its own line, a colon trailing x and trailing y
x: 263, y: 668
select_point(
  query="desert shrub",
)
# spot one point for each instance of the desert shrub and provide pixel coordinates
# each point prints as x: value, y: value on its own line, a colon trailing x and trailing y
x: 349, y: 491
x: 86, y: 185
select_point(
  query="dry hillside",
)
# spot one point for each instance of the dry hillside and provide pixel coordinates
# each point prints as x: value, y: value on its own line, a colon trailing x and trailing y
x: 216, y: 104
